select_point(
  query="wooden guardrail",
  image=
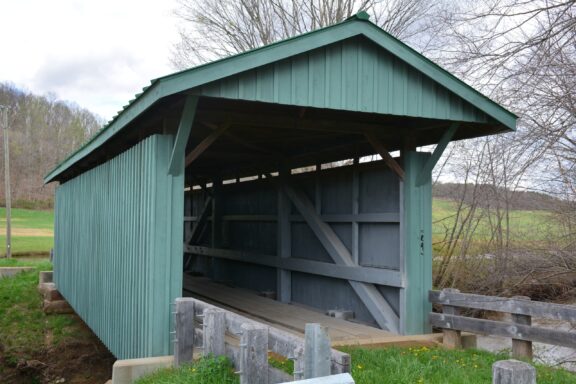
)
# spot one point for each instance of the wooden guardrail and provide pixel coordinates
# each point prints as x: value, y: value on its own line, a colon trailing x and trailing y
x: 247, y: 342
x: 520, y: 328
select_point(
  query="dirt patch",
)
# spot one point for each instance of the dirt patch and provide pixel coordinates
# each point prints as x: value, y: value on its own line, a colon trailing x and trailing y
x: 83, y: 360
x: 29, y: 232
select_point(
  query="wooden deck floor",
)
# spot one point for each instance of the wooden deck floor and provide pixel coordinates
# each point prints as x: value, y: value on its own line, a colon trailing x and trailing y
x: 291, y: 318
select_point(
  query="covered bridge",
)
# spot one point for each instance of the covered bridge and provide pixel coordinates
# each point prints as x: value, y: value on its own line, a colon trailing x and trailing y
x: 249, y: 170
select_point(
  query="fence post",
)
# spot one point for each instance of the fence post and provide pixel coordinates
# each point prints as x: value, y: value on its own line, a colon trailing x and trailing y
x: 184, y: 342
x: 452, y: 337
x: 254, y: 354
x: 317, y: 351
x: 521, y: 348
x: 214, y: 332
x: 513, y: 372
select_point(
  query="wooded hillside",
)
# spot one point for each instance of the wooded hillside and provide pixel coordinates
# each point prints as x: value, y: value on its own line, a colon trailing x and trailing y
x: 43, y: 131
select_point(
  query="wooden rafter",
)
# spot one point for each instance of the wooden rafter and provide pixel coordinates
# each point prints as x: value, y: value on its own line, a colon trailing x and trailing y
x: 383, y: 152
x: 241, y: 141
x: 205, y: 144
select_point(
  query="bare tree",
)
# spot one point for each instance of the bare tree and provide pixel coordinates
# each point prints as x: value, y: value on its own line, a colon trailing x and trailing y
x: 216, y: 28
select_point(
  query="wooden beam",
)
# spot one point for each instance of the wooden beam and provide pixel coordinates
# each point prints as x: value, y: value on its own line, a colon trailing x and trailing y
x: 284, y: 278
x: 184, y: 128
x: 376, y: 304
x: 383, y: 152
x: 504, y: 304
x: 204, y: 144
x: 440, y: 147
x: 504, y: 329
x: 377, y: 276
x: 243, y: 142
x: 294, y: 122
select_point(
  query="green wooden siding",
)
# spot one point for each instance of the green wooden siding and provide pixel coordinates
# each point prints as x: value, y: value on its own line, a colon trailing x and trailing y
x: 417, y: 244
x: 118, y: 248
x: 353, y: 65
x: 355, y: 75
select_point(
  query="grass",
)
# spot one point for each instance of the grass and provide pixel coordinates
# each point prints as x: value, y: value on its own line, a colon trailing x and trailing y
x: 204, y: 371
x: 375, y: 366
x: 23, y: 324
x: 436, y: 366
x: 25, y: 224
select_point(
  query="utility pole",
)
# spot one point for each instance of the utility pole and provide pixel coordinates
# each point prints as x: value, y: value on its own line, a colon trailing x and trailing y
x: 4, y: 110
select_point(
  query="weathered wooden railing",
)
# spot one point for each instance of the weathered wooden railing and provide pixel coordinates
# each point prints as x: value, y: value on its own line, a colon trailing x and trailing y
x: 520, y: 327
x: 247, y: 343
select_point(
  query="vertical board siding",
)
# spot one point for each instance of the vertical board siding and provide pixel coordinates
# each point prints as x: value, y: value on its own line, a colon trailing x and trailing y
x: 118, y: 248
x: 354, y: 75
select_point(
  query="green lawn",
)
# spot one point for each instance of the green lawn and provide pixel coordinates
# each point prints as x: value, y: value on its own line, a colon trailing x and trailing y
x: 32, y: 231
x: 527, y: 228
x: 375, y: 366
x: 23, y: 325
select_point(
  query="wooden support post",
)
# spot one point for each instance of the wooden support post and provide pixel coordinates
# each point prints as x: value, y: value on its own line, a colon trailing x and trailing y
x: 214, y: 332
x: 521, y: 348
x: 254, y: 354
x: 316, y: 351
x: 284, y: 286
x: 513, y: 372
x: 452, y: 337
x: 184, y: 342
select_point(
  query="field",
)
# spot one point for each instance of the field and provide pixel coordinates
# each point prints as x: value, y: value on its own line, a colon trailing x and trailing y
x: 32, y: 231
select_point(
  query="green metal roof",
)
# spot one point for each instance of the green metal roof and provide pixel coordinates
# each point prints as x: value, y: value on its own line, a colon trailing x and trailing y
x: 357, y: 26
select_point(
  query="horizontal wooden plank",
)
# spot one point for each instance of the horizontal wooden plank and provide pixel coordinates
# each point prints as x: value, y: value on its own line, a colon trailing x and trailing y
x: 378, y: 276
x: 503, y: 304
x: 359, y: 218
x: 501, y: 328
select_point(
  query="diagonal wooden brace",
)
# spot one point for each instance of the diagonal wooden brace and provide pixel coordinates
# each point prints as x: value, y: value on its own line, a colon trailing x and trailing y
x: 184, y: 128
x: 377, y: 305
x: 440, y: 147
x: 383, y: 152
x: 205, y: 144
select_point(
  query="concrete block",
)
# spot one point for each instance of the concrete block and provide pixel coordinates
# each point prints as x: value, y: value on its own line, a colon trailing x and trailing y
x: 343, y: 378
x: 52, y: 295
x: 45, y: 277
x: 127, y: 371
x: 513, y: 372
x: 58, y: 306
x: 11, y: 271
x: 340, y: 314
x: 469, y: 340
x: 44, y: 287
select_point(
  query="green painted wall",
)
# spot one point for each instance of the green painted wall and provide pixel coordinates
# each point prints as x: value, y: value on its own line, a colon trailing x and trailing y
x: 355, y: 75
x: 118, y: 248
x: 417, y: 244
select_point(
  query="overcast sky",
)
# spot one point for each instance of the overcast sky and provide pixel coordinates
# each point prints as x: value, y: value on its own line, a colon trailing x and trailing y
x: 96, y: 53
